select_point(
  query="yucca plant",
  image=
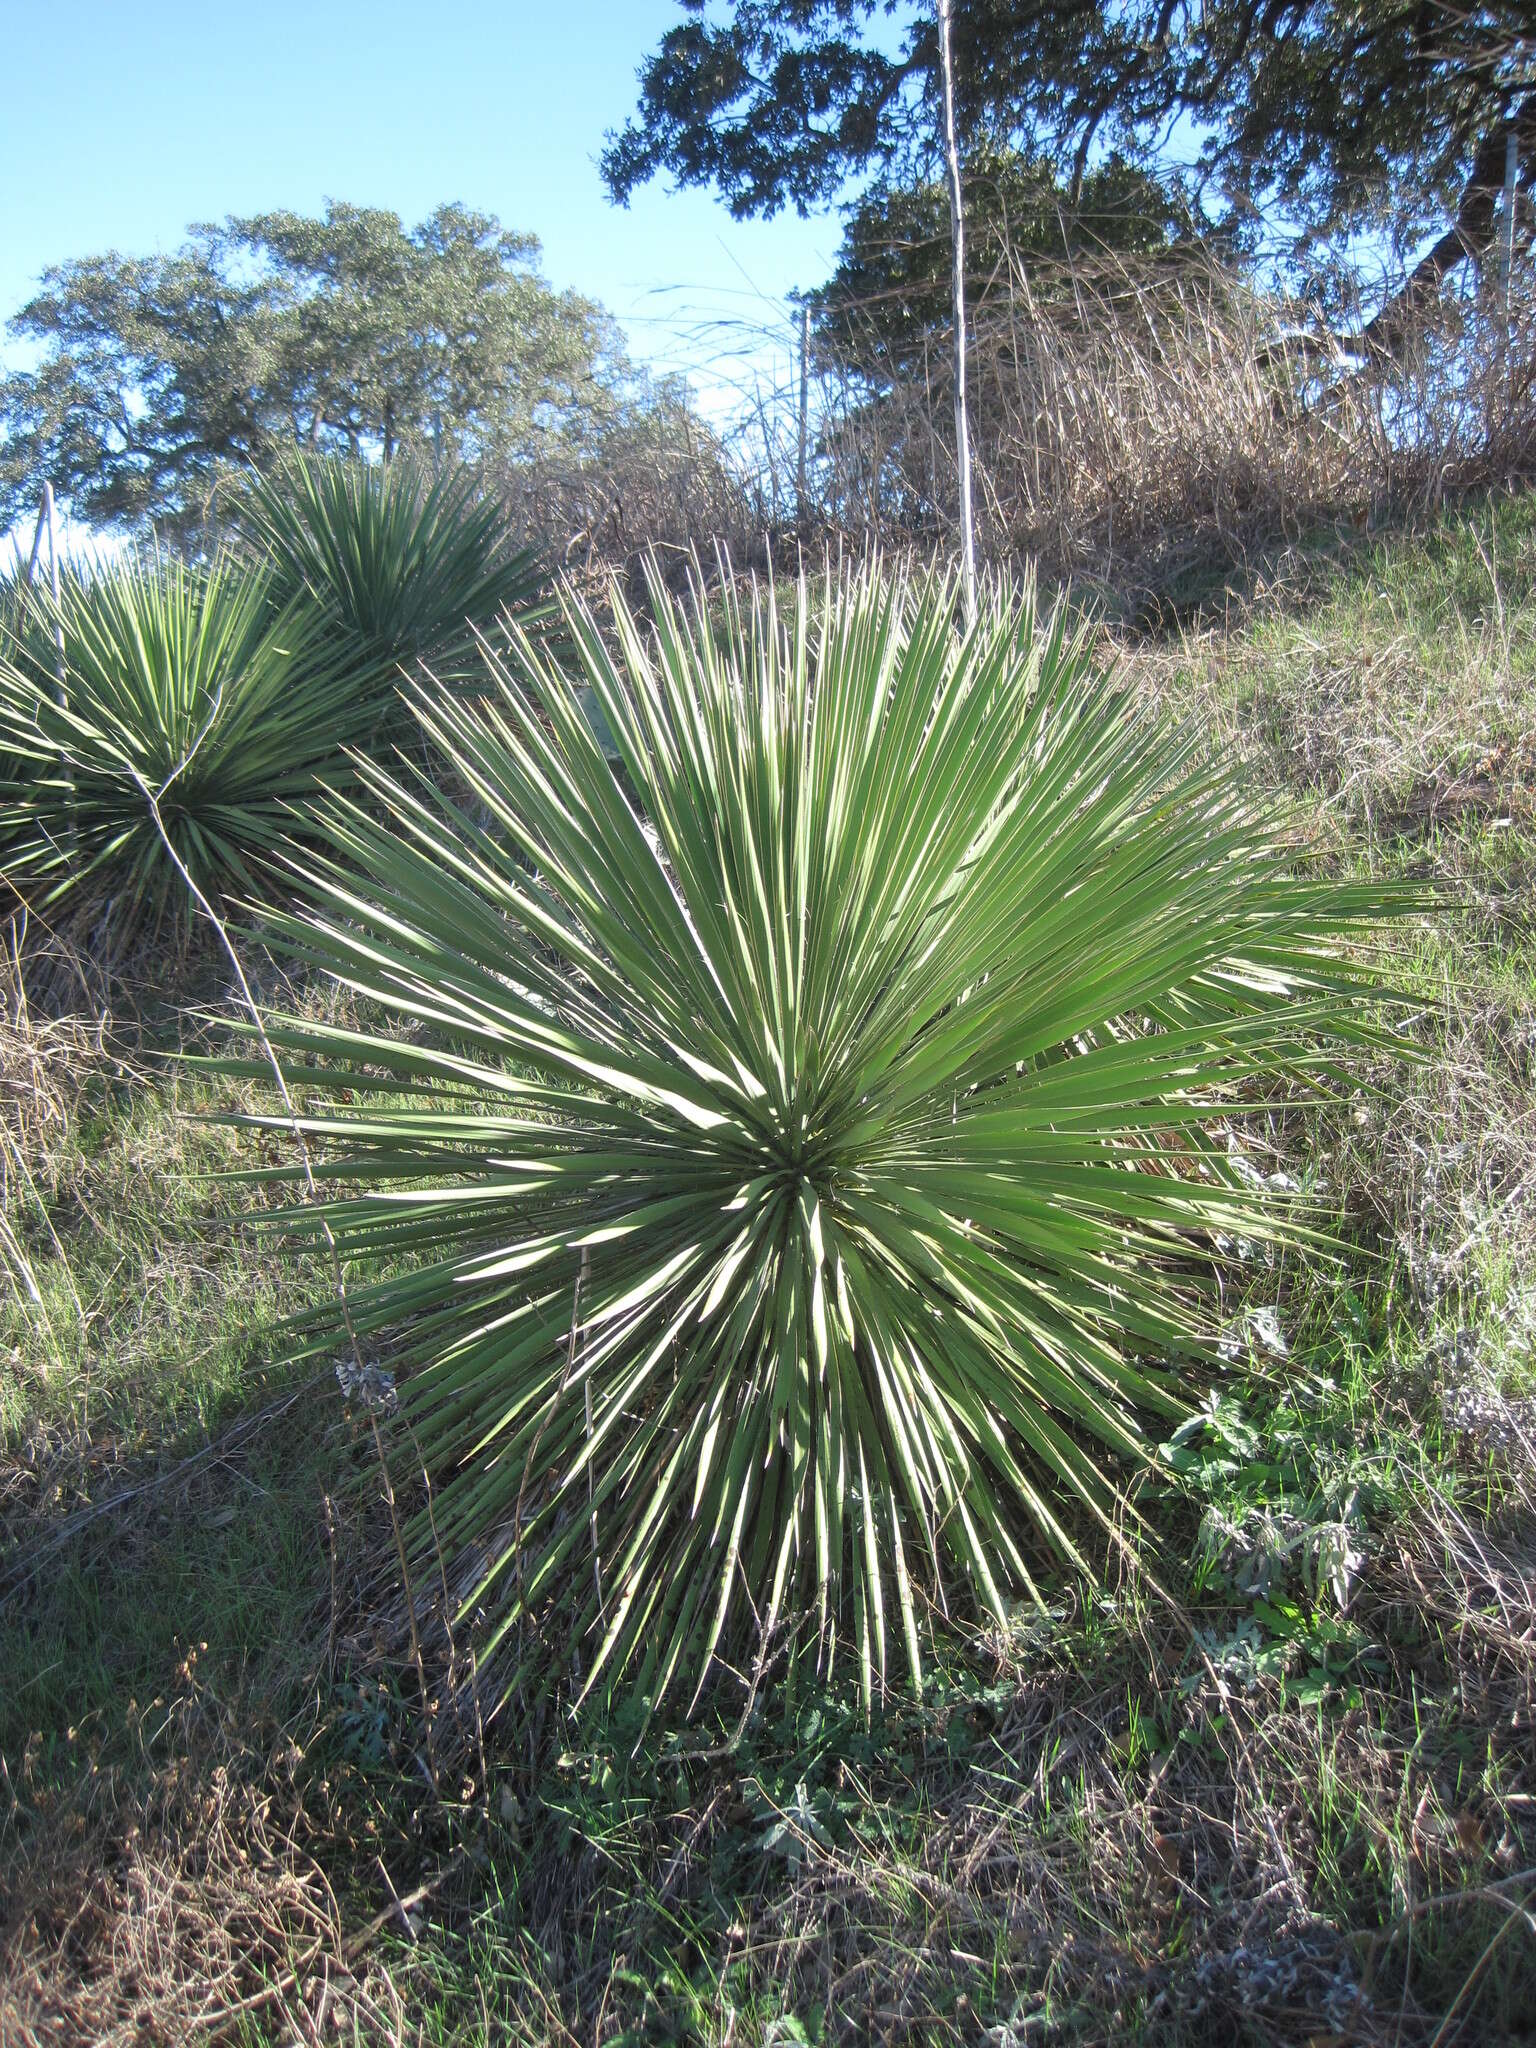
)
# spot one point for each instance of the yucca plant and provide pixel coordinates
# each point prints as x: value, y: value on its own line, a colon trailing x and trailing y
x: 793, y: 1148
x: 406, y: 568
x: 14, y: 767
x: 189, y: 683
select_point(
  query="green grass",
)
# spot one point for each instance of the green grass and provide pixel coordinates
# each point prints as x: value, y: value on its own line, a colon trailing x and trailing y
x: 1386, y: 675
x: 146, y: 1512
x: 142, y: 1342
x: 1251, y: 1817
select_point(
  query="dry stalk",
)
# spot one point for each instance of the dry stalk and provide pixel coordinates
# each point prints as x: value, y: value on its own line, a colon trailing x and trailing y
x: 338, y: 1276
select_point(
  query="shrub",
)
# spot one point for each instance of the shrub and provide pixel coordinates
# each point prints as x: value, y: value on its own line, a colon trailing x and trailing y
x: 190, y: 683
x: 405, y: 567
x: 795, y: 1158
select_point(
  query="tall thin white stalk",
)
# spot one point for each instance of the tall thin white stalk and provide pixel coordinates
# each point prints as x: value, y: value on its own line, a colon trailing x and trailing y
x: 957, y: 273
x: 802, y: 441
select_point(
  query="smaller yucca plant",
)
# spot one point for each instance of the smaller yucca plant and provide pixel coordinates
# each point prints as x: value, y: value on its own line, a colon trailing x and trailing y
x: 189, y: 684
x: 794, y: 1145
x: 15, y: 768
x: 407, y: 569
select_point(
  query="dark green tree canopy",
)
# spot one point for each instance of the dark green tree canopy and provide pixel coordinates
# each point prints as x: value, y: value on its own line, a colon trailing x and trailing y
x: 890, y: 291
x: 1324, y: 113
x: 349, y: 332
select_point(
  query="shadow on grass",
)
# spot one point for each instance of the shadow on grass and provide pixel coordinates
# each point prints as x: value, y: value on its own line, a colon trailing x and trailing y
x: 220, y: 1822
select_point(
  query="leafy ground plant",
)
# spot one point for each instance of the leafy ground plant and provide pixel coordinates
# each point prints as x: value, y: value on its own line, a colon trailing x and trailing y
x: 187, y: 683
x: 405, y: 567
x: 806, y: 1180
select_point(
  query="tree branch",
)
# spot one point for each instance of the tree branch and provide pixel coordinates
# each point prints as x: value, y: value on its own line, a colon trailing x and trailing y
x: 1469, y: 234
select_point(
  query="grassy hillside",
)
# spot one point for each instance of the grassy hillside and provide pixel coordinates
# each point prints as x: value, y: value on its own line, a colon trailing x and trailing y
x: 1287, y: 1795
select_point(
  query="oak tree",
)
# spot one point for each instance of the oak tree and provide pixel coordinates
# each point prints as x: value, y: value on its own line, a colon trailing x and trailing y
x: 1325, y: 115
x: 158, y: 376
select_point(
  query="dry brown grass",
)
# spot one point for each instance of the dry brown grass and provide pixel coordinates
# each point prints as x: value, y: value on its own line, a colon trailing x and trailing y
x: 165, y: 1916
x: 1158, y: 428
x: 44, y: 1061
x: 659, y: 481
x: 200, y: 1863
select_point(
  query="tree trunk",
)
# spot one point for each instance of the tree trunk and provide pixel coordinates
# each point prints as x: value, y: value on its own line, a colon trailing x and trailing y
x: 1507, y: 251
x: 1470, y: 234
x: 957, y: 273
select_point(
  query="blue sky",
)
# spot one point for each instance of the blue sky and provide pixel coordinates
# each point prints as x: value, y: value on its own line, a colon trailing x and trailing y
x: 125, y: 122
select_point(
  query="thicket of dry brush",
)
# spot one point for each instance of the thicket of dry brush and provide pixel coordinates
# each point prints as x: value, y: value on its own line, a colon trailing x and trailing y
x: 1144, y: 424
